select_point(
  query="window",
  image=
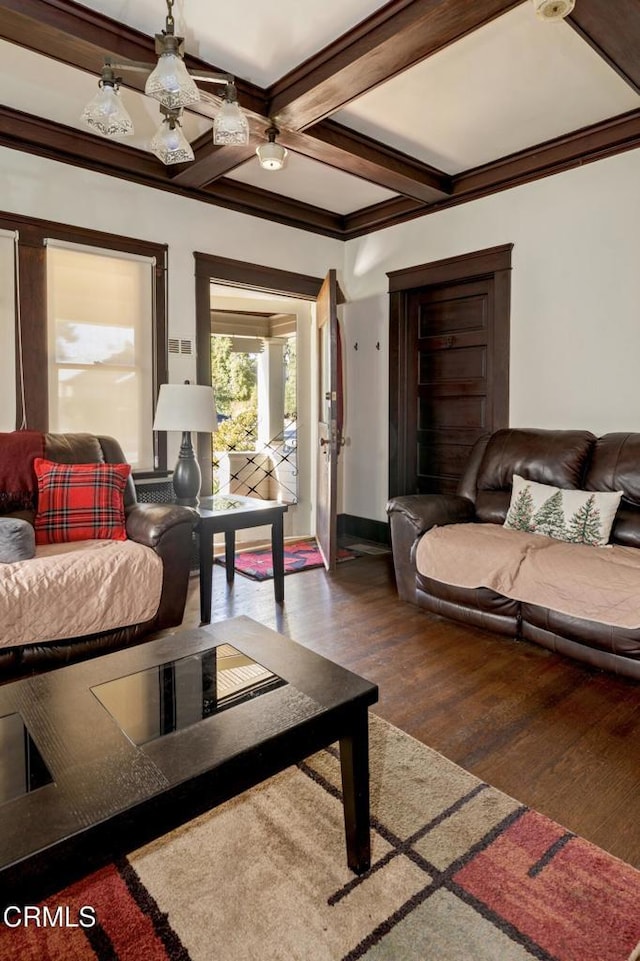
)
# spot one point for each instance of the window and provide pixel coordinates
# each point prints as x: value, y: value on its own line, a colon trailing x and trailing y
x: 90, y: 334
x: 99, y: 320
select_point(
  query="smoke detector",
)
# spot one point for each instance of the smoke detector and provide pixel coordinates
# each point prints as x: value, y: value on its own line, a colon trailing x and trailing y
x: 551, y: 10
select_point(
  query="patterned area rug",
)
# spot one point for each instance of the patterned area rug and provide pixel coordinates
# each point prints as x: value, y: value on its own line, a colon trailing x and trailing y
x: 302, y: 555
x: 460, y: 872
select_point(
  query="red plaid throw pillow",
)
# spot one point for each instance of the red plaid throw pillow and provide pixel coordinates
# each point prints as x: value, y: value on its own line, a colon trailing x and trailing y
x: 80, y: 502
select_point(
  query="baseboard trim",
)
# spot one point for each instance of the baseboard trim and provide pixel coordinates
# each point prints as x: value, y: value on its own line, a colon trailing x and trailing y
x: 364, y: 527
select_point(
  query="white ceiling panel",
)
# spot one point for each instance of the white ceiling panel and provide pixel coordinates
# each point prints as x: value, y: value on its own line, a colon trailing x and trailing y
x: 38, y: 85
x: 313, y: 183
x: 257, y: 41
x: 515, y: 82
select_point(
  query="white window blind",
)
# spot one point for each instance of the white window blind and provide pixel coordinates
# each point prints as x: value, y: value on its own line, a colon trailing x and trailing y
x: 7, y: 330
x: 100, y: 320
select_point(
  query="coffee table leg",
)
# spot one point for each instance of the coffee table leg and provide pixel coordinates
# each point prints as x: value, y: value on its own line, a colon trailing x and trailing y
x: 277, y: 557
x: 230, y: 555
x: 205, y: 550
x: 354, y: 763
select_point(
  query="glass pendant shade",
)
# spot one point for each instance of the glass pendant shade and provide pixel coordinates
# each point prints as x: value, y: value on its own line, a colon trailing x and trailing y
x: 271, y: 156
x: 170, y: 144
x: 231, y: 125
x: 106, y: 114
x: 170, y: 82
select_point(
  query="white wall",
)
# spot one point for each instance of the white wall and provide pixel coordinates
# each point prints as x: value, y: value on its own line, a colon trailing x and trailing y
x: 575, y: 304
x: 36, y: 187
x: 575, y: 308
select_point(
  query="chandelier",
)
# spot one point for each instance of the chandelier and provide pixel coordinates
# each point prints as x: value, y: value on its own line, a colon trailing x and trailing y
x: 170, y: 83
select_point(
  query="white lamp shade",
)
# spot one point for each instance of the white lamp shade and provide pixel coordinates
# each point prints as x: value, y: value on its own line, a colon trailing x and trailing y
x: 271, y: 155
x: 186, y: 407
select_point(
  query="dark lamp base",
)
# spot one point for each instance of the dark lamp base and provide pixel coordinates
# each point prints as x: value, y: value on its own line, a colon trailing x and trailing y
x: 187, y: 477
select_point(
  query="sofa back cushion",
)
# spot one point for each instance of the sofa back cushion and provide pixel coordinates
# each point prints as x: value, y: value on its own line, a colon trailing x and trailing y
x: 615, y: 465
x: 556, y: 457
x: 79, y: 448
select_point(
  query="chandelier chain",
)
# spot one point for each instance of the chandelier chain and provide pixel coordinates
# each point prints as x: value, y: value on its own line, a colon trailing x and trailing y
x: 170, y: 21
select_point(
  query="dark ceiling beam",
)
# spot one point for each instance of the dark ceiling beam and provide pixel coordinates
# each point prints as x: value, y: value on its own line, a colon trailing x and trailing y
x: 21, y: 131
x: 613, y: 30
x: 582, y: 146
x: 378, y: 216
x: 604, y: 139
x: 25, y: 132
x: 329, y: 143
x: 80, y: 37
x: 402, y: 33
x: 352, y: 152
x: 275, y: 207
x: 210, y: 162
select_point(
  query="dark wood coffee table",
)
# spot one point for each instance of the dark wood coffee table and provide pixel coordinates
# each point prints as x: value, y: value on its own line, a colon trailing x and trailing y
x: 103, y: 756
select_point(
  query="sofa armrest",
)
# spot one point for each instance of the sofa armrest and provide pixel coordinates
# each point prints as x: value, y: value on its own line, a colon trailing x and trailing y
x: 167, y: 529
x: 409, y: 517
x: 149, y: 523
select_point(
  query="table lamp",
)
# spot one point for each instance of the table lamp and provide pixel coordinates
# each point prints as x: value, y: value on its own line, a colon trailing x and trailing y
x: 186, y: 407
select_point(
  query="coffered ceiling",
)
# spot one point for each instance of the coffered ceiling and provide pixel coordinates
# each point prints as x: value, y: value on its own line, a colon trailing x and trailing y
x: 388, y: 111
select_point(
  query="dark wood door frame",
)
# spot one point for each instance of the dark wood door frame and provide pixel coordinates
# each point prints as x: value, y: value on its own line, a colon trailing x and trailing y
x: 494, y: 262
x: 238, y: 274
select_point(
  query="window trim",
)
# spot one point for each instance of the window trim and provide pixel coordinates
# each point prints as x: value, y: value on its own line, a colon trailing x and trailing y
x: 32, y: 301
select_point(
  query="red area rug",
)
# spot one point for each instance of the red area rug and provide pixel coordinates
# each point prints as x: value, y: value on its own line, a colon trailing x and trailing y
x: 460, y: 872
x: 302, y: 555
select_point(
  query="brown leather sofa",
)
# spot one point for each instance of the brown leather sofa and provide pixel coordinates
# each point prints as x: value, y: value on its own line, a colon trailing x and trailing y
x: 571, y: 459
x: 165, y: 528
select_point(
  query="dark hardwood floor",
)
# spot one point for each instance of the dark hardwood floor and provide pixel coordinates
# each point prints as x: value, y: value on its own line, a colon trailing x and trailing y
x: 555, y: 734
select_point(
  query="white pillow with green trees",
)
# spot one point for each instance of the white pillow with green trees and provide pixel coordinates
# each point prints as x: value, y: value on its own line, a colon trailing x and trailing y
x: 579, y: 517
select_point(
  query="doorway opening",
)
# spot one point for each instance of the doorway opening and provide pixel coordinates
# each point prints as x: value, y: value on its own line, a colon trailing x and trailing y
x: 254, y: 376
x: 246, y: 287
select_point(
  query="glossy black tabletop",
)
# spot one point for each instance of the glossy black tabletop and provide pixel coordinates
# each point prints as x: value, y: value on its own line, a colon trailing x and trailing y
x: 127, y: 745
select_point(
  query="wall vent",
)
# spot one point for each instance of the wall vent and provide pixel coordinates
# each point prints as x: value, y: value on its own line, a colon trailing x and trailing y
x: 177, y: 346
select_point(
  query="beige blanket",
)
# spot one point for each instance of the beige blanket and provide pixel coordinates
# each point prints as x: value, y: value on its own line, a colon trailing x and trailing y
x: 599, y: 584
x: 71, y: 590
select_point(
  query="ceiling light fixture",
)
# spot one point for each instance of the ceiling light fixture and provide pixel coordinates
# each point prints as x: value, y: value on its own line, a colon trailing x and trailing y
x: 271, y: 155
x: 170, y: 83
x: 553, y: 10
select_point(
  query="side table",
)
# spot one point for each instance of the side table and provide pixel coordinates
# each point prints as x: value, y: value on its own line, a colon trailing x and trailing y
x: 228, y: 513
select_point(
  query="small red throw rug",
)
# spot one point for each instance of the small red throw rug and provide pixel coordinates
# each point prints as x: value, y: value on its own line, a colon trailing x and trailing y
x: 302, y: 555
